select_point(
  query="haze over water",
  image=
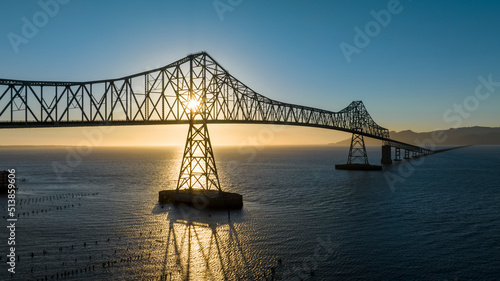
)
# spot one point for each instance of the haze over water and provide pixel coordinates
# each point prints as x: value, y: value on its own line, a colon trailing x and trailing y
x: 102, y: 217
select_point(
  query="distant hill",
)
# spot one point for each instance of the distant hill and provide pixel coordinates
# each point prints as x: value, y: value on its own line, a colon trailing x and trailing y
x: 460, y: 136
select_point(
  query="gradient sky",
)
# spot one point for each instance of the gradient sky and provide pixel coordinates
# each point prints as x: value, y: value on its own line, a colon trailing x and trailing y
x: 415, y: 69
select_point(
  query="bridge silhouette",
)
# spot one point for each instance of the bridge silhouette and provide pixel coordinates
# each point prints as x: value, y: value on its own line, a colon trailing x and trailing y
x: 194, y: 90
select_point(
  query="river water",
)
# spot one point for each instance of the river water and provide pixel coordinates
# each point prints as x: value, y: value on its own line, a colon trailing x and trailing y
x: 96, y: 216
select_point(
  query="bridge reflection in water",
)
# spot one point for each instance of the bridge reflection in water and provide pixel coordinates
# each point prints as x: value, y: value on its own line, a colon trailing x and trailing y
x: 200, y: 246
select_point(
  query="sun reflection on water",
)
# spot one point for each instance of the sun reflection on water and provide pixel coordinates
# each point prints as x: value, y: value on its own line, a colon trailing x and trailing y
x: 209, y: 250
x: 124, y: 234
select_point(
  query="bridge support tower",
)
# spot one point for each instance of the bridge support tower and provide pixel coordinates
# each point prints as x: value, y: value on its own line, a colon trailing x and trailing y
x: 407, y: 154
x: 397, y: 156
x: 358, y: 158
x: 386, y: 154
x: 198, y: 183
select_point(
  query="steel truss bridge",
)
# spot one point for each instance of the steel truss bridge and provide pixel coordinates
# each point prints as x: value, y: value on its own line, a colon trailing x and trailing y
x: 195, y: 90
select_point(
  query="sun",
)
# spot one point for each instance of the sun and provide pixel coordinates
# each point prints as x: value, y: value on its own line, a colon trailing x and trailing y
x: 193, y: 105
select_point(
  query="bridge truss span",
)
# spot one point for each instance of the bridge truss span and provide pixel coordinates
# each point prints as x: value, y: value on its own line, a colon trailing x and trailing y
x: 161, y: 96
x: 195, y: 90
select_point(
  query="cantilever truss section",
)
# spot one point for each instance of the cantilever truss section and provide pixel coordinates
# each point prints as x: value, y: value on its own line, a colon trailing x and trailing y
x: 159, y: 97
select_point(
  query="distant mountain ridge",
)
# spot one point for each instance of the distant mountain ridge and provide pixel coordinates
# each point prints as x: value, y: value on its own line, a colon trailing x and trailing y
x: 460, y: 136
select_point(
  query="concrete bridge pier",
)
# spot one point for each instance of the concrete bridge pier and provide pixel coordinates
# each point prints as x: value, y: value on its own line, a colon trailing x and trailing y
x: 386, y: 155
x: 407, y: 154
x: 397, y: 157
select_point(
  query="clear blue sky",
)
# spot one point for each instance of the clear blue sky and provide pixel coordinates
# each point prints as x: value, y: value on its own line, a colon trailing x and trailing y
x: 425, y: 60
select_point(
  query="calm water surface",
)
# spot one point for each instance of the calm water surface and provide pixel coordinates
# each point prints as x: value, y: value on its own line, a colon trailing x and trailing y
x: 98, y: 218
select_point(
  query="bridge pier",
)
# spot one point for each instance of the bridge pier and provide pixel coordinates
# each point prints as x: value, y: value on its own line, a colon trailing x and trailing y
x: 397, y: 156
x: 386, y: 155
x: 407, y: 154
x: 358, y: 158
x: 417, y: 154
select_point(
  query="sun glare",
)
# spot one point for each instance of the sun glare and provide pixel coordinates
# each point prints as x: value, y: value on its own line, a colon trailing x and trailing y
x: 193, y: 105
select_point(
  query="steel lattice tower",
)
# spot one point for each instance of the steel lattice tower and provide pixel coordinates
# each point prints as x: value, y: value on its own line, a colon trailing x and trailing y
x: 357, y: 152
x: 198, y: 169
